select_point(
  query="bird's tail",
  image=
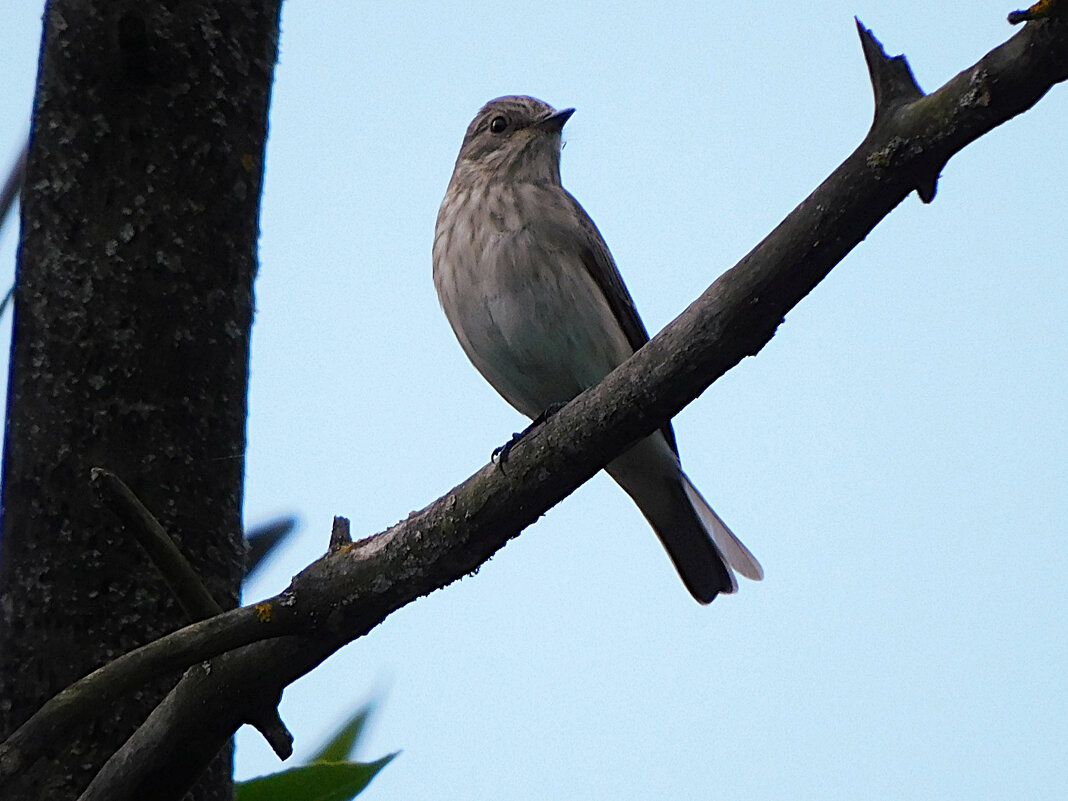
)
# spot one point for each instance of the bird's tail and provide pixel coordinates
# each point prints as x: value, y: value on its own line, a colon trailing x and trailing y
x: 704, y: 551
x: 737, y: 556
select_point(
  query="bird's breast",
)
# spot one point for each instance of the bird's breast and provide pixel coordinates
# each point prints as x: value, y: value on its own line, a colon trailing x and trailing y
x: 520, y: 300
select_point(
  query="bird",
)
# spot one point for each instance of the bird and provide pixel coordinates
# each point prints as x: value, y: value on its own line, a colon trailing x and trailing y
x: 537, y: 303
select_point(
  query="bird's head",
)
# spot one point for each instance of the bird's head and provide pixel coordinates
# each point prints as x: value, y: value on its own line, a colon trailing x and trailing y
x: 515, y: 138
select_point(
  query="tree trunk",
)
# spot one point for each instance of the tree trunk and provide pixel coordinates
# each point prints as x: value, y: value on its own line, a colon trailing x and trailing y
x: 133, y: 306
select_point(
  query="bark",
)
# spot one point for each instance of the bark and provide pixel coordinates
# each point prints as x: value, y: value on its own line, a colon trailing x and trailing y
x: 133, y: 306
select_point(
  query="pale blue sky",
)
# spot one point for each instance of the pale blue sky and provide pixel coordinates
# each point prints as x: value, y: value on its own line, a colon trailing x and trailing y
x: 895, y: 456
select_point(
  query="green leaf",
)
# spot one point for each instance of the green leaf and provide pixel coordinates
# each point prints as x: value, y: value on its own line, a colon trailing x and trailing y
x: 321, y: 781
x: 340, y: 747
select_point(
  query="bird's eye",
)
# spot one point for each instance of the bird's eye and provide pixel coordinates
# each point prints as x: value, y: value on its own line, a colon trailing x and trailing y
x: 498, y: 124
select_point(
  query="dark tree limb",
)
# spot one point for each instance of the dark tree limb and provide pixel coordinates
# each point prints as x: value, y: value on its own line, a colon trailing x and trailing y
x: 353, y: 588
x: 43, y: 733
x: 132, y: 314
x: 180, y: 576
x: 246, y: 684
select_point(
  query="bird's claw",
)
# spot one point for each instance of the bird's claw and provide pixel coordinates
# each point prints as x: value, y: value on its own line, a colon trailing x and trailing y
x: 500, y: 454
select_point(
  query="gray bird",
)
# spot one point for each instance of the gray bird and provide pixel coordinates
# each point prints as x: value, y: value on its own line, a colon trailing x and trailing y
x: 534, y: 297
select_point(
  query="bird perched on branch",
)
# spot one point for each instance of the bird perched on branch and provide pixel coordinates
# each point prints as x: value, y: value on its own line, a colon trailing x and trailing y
x: 534, y: 296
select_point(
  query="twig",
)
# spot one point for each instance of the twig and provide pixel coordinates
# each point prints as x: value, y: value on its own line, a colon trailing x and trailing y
x: 8, y: 195
x: 180, y: 576
x: 339, y: 534
x: 1040, y: 10
x: 12, y: 185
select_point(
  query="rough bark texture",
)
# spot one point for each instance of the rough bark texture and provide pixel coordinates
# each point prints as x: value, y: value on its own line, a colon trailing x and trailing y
x: 130, y: 348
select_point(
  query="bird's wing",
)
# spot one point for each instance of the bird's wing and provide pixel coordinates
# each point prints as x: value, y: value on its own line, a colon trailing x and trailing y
x: 602, y: 268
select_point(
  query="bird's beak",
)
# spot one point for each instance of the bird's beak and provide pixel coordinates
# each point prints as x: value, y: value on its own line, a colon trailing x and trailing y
x: 555, y: 121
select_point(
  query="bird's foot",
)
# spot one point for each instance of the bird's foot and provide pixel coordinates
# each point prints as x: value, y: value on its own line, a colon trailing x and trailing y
x: 500, y: 455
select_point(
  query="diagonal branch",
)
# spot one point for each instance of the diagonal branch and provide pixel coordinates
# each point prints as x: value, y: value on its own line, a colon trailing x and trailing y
x: 188, y: 589
x: 354, y: 587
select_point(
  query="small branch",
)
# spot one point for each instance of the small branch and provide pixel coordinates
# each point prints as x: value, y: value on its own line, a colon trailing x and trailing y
x: 8, y: 195
x: 891, y: 76
x: 339, y: 534
x: 43, y: 732
x: 12, y: 185
x: 7, y: 300
x: 274, y: 731
x: 180, y: 576
x: 141, y: 769
x: 894, y: 87
x: 1040, y: 10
